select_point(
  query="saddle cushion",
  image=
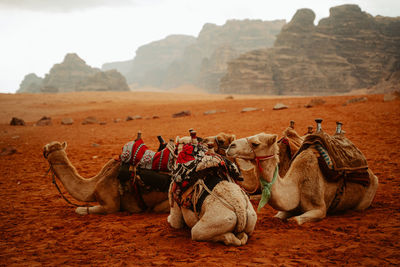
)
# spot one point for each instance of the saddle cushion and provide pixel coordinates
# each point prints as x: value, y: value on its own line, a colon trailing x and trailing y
x: 195, y: 163
x: 338, y: 157
x: 136, y: 153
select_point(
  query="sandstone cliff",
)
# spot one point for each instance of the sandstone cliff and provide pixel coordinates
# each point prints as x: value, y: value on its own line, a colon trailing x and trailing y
x: 73, y: 74
x: 30, y: 84
x: 64, y: 76
x: 348, y: 50
x: 200, y: 61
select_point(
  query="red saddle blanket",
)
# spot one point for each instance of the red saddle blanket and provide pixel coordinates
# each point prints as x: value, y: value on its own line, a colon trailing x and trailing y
x: 137, y: 153
x: 339, y: 157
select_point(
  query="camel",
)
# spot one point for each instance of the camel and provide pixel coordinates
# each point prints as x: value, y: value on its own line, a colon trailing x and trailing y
x: 303, y: 194
x: 103, y: 188
x: 288, y: 145
x: 220, y: 142
x: 226, y: 214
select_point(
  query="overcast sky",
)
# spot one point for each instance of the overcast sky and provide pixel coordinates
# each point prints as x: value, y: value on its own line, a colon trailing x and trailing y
x: 36, y: 34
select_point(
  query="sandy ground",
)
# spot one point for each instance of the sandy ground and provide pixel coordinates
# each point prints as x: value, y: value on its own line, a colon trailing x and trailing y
x: 38, y: 228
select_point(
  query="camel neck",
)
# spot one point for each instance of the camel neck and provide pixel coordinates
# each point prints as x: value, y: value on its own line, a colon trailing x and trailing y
x: 281, y: 189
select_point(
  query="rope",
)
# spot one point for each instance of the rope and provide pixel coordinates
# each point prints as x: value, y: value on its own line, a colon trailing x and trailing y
x: 223, y: 201
x: 59, y: 190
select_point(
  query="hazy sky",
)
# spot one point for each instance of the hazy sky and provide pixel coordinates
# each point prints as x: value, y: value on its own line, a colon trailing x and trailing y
x: 35, y: 34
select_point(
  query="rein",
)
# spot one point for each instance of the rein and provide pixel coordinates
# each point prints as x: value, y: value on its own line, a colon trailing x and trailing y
x: 58, y: 188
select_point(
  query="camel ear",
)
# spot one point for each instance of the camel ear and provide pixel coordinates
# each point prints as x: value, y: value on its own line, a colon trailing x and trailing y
x: 64, y: 145
x: 177, y: 140
x: 233, y: 138
x: 273, y: 139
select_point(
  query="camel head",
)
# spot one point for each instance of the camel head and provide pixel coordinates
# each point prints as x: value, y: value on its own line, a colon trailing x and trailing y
x: 259, y: 145
x: 220, y: 142
x: 53, y: 146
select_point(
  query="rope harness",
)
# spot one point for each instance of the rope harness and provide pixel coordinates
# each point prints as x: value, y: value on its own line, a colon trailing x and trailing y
x: 51, y: 169
x: 266, y: 186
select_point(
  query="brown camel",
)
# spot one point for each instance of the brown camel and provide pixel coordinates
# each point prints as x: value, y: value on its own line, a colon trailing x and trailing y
x: 303, y: 194
x: 102, y: 188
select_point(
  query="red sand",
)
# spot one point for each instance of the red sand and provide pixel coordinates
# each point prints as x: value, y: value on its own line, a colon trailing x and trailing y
x: 39, y: 228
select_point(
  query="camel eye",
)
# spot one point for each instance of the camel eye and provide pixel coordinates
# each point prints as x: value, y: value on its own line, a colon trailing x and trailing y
x: 220, y: 142
x: 255, y: 144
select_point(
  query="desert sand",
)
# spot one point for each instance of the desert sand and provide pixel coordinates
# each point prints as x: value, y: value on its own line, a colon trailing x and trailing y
x: 37, y: 227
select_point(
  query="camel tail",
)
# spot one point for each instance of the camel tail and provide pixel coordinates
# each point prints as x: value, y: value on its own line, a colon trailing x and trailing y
x: 232, y: 194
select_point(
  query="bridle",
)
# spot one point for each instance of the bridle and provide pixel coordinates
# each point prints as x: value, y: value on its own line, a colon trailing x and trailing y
x: 51, y: 169
x: 266, y: 186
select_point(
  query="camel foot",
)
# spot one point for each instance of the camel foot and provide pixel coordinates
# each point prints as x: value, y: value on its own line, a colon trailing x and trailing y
x: 283, y: 215
x: 309, y: 216
x: 243, y: 237
x: 81, y: 210
x: 175, y: 221
x: 228, y: 239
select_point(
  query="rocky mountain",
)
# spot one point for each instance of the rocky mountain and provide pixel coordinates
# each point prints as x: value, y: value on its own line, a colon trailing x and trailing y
x: 348, y: 50
x: 73, y: 74
x: 200, y: 61
x: 151, y: 60
x: 30, y: 84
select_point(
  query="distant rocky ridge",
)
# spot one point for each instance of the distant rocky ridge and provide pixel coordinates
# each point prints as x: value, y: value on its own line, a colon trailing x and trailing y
x: 201, y: 61
x: 348, y: 50
x: 72, y: 75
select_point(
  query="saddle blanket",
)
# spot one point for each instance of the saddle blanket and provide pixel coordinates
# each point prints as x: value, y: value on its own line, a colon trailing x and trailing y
x: 136, y: 153
x: 339, y: 157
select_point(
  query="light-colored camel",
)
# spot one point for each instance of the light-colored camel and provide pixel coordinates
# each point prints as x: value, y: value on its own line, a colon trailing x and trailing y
x: 226, y: 215
x: 287, y: 148
x: 303, y: 194
x: 102, y: 188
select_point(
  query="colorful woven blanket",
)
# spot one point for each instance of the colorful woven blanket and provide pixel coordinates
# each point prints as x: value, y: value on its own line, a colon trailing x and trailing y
x: 194, y: 163
x: 136, y: 153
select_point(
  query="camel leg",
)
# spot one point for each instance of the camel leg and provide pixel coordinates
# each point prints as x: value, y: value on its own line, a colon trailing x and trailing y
x: 251, y: 219
x: 310, y: 216
x: 175, y: 217
x: 217, y: 225
x: 91, y: 210
x: 283, y: 215
x: 370, y: 193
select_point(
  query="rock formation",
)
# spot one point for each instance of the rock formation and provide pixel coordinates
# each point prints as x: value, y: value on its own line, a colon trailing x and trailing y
x: 348, y: 50
x: 65, y: 76
x: 110, y: 80
x: 202, y: 61
x: 73, y: 74
x: 31, y: 84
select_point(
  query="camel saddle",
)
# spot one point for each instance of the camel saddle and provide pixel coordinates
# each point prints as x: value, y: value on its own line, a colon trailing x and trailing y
x: 338, y: 157
x: 195, y: 163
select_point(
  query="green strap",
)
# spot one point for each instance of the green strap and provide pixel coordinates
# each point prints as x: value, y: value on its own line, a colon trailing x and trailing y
x: 266, y: 189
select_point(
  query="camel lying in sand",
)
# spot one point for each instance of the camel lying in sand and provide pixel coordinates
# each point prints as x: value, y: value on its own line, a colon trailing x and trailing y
x: 303, y: 194
x: 102, y: 188
x: 288, y: 146
x: 226, y: 213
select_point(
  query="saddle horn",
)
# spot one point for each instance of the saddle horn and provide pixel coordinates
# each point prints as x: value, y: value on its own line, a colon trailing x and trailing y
x: 139, y: 135
x: 310, y: 129
x: 162, y: 142
x: 319, y: 128
x: 291, y: 124
x: 193, y: 135
x: 338, y: 127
